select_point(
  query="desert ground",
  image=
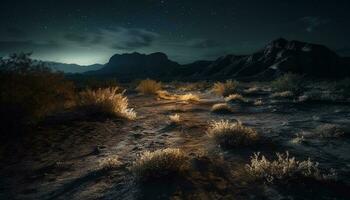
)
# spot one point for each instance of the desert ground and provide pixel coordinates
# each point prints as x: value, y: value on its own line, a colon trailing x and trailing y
x: 62, y: 159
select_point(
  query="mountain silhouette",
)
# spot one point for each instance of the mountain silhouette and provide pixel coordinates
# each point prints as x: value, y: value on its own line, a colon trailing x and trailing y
x: 278, y: 57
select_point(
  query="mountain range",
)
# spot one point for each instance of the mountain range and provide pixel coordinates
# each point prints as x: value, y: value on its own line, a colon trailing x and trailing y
x: 277, y: 57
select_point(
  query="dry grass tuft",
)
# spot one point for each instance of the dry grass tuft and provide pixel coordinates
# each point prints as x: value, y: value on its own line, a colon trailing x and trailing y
x: 149, y: 87
x: 108, y: 101
x: 229, y: 134
x: 175, y: 119
x: 159, y: 164
x: 224, y: 89
x: 109, y: 163
x: 188, y: 97
x: 285, y: 94
x: 221, y: 108
x: 285, y: 168
x: 258, y: 102
x: 235, y: 97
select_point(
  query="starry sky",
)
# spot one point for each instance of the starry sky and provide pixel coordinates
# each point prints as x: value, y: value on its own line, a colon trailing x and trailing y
x: 91, y: 31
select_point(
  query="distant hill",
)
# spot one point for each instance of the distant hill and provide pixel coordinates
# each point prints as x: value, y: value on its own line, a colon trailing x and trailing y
x: 72, y: 68
x: 277, y: 57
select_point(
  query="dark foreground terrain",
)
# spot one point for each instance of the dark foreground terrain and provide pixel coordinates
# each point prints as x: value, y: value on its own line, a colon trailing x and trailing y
x: 61, y: 159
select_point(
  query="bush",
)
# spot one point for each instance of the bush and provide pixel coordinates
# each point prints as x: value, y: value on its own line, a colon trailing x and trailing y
x: 285, y: 94
x: 235, y: 97
x: 188, y: 97
x: 224, y: 89
x: 149, y: 87
x: 159, y: 164
x: 107, y: 101
x: 221, y: 108
x: 30, y: 90
x: 109, y: 163
x: 285, y: 168
x: 288, y: 82
x: 175, y: 119
x: 229, y: 134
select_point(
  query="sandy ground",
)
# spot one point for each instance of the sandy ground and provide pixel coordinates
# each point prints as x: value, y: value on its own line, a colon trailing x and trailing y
x: 61, y: 162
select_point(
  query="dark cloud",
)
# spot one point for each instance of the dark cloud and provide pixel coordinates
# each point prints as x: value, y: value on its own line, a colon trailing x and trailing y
x: 27, y: 46
x: 202, y: 43
x: 130, y: 39
x: 313, y: 22
x: 74, y: 37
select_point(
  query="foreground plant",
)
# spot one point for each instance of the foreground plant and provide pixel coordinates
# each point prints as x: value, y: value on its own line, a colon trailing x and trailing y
x: 107, y: 101
x: 235, y: 97
x: 232, y: 134
x: 159, y: 164
x: 109, y: 163
x: 224, y: 88
x: 285, y: 168
x: 175, y: 119
x: 149, y: 87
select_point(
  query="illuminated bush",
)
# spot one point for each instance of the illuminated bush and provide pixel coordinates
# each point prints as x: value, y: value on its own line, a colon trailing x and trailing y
x: 159, y: 164
x: 109, y: 163
x: 224, y: 89
x: 175, y: 119
x: 221, y: 108
x: 107, y: 101
x: 188, y: 97
x: 149, y: 87
x: 235, y: 97
x: 229, y: 134
x: 285, y: 168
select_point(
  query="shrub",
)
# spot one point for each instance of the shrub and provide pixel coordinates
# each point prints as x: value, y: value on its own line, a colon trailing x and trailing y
x: 175, y: 119
x: 258, y: 102
x: 159, y: 164
x: 284, y: 168
x: 285, y: 94
x: 229, y: 134
x: 235, y: 97
x: 163, y: 94
x: 149, y: 87
x: 329, y: 131
x: 107, y: 101
x: 109, y: 163
x: 221, y: 108
x: 288, y: 82
x: 188, y: 97
x: 32, y: 89
x: 224, y: 89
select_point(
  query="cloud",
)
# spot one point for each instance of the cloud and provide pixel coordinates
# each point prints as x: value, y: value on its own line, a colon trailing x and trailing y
x: 118, y: 38
x: 202, y: 43
x: 74, y: 37
x: 27, y: 46
x: 312, y: 22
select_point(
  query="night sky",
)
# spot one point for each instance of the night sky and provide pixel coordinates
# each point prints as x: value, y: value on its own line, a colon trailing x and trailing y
x: 91, y: 31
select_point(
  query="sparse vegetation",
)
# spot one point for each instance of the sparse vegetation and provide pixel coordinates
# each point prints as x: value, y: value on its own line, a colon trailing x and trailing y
x: 232, y: 134
x: 224, y: 88
x: 188, y: 97
x: 329, y: 131
x: 285, y: 94
x: 175, y: 119
x: 288, y: 82
x: 149, y: 87
x: 107, y: 101
x: 258, y: 102
x: 285, y: 168
x: 109, y: 163
x: 221, y: 108
x: 235, y: 97
x: 159, y: 164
